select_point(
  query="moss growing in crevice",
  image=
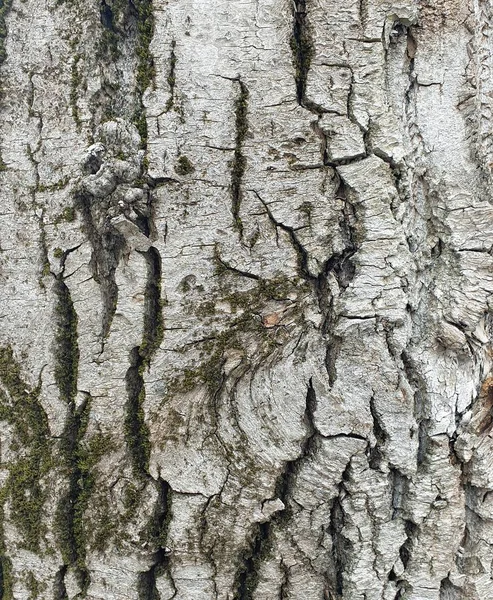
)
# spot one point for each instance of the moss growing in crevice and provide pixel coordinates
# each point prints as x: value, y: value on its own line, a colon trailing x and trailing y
x: 6, y: 582
x: 21, y: 409
x: 5, y: 6
x: 184, y: 166
x: 136, y: 430
x: 67, y: 215
x: 66, y: 342
x: 153, y: 307
x: 69, y: 517
x: 239, y: 160
x: 75, y: 532
x: 146, y: 70
x: 171, y: 79
x: 55, y: 187
x: 75, y: 81
x: 34, y: 587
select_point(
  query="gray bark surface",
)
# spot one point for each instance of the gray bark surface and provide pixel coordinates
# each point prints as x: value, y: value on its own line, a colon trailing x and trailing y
x: 246, y: 280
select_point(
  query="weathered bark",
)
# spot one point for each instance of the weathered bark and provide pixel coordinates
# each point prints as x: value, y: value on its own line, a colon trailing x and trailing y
x: 246, y: 271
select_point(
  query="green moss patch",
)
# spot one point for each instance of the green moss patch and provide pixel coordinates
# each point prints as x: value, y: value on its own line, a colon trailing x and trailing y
x: 20, y: 407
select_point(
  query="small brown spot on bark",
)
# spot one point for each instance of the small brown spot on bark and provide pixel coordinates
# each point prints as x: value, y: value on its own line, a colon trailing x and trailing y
x: 271, y: 320
x: 486, y: 399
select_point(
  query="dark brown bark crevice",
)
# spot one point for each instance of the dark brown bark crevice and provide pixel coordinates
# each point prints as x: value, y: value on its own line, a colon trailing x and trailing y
x: 239, y: 162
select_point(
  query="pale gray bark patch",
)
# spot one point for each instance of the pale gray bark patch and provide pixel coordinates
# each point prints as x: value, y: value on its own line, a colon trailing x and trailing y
x: 245, y: 253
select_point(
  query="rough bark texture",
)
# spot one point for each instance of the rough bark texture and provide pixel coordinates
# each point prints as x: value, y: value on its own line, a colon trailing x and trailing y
x: 246, y: 271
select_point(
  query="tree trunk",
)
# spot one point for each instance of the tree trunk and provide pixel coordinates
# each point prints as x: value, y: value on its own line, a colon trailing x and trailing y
x: 246, y: 271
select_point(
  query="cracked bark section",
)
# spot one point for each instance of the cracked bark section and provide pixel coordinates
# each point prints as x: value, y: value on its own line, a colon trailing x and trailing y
x: 247, y: 575
x: 421, y: 407
x: 339, y: 264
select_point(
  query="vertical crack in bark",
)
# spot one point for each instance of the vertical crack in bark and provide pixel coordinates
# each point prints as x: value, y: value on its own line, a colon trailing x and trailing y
x: 136, y: 430
x: 363, y: 12
x: 239, y: 160
x: 400, y: 487
x: 66, y: 340
x: 69, y: 514
x: 410, y: 103
x: 344, y: 271
x: 59, y: 589
x: 405, y: 554
x: 246, y: 579
x: 421, y: 408
x: 377, y: 452
x: 301, y: 48
x: 171, y: 79
x: 284, y: 587
x: 4, y: 11
x: 342, y: 547
x: 145, y: 68
x: 107, y: 246
x: 158, y: 532
x: 69, y: 517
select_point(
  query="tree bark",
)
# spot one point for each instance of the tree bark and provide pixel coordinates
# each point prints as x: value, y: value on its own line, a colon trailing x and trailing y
x: 246, y: 263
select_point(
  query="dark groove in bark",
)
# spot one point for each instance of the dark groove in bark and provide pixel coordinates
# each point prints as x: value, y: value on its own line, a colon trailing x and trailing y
x: 239, y: 160
x: 301, y: 48
x: 59, y: 589
x: 147, y: 589
x: 171, y: 79
x: 5, y: 566
x: 68, y: 523
x: 341, y: 546
x: 136, y: 430
x: 146, y: 70
x: 377, y: 454
x: 405, y: 551
x: 448, y: 591
x: 421, y: 410
x: 400, y: 487
x: 66, y: 342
